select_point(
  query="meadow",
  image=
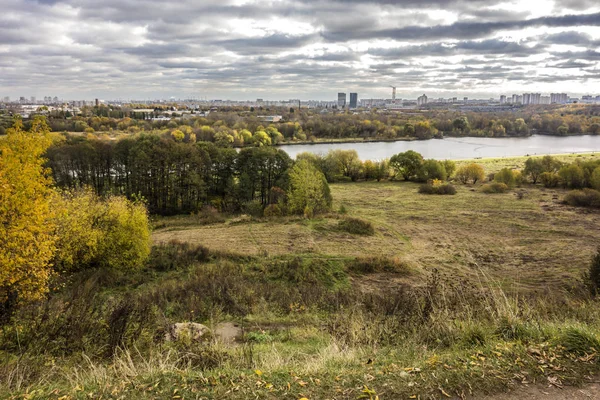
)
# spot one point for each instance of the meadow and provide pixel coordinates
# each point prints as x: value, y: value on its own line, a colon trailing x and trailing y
x: 447, y: 297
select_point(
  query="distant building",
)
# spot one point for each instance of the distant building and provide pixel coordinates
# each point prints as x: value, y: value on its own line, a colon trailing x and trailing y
x: 558, y: 98
x: 341, y: 100
x: 353, y: 100
x: 502, y: 99
x: 421, y: 100
x: 465, y: 100
x: 545, y: 100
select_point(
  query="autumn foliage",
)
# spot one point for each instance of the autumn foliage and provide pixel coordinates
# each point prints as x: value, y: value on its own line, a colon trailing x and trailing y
x: 26, y: 229
x: 43, y: 231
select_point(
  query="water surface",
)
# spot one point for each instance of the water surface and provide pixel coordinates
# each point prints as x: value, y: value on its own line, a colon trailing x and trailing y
x: 460, y: 148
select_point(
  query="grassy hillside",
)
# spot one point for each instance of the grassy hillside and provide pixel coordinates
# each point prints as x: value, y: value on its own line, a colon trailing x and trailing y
x: 449, y: 296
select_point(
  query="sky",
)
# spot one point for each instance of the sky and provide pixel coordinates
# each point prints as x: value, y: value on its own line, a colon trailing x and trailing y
x: 311, y: 49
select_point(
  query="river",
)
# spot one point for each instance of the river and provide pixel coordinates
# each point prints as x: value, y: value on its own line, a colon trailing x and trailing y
x: 460, y: 148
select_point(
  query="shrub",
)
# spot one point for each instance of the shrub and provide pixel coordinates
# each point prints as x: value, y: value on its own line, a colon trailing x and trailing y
x: 593, y: 275
x: 439, y: 189
x: 253, y: 208
x: 450, y: 167
x: 595, y: 179
x: 113, y: 233
x: 356, y: 226
x: 549, y: 179
x: 431, y: 169
x: 583, y: 198
x: 572, y: 176
x: 506, y: 176
x: 494, y: 187
x: 470, y: 173
x: 273, y: 210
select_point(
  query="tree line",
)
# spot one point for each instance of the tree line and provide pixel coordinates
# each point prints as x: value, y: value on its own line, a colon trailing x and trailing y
x: 231, y: 126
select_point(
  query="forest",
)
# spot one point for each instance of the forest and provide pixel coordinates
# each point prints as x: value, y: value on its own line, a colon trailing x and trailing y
x: 240, y: 127
x: 175, y: 175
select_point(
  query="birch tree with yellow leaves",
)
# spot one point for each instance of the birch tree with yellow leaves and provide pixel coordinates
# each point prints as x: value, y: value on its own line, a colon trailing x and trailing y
x: 27, y: 240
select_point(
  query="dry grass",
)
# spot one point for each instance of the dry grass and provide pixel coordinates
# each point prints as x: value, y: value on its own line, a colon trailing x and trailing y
x: 534, y: 243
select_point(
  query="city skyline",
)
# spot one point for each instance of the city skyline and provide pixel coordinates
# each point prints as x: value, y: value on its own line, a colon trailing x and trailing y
x: 284, y: 49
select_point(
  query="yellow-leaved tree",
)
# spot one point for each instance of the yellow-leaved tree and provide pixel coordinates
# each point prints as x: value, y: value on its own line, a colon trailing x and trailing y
x: 27, y: 240
x: 94, y: 232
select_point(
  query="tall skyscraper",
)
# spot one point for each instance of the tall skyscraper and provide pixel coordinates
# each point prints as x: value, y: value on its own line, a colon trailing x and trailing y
x: 353, y: 100
x: 341, y: 100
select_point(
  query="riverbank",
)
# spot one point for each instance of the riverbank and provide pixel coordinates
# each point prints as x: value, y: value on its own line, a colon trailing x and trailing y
x: 495, y: 164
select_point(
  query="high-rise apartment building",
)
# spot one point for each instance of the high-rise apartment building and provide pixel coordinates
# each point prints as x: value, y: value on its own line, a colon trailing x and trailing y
x: 341, y: 100
x: 421, y: 100
x: 353, y: 100
x: 502, y: 99
x: 558, y: 98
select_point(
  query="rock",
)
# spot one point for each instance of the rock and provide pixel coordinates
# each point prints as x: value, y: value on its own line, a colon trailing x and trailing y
x: 192, y: 330
x: 228, y: 332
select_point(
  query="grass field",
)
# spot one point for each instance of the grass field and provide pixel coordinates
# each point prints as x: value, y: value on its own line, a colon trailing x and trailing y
x: 450, y: 297
x: 533, y: 243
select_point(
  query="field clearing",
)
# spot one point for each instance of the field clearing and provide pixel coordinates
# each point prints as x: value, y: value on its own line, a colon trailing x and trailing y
x: 535, y: 243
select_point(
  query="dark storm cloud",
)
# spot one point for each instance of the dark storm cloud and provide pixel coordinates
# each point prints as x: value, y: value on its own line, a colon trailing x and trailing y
x: 149, y: 45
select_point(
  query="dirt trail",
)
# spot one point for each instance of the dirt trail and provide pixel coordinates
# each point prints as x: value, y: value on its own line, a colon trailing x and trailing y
x: 588, y: 391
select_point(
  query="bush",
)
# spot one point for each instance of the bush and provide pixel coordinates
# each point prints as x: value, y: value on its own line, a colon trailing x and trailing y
x: 593, y: 275
x: 506, y: 176
x: 550, y: 179
x: 572, y: 176
x: 113, y: 233
x: 494, y: 187
x: 431, y: 169
x: 356, y: 226
x: 273, y: 210
x: 253, y: 208
x: 450, y: 167
x: 583, y: 198
x: 439, y: 189
x: 470, y: 173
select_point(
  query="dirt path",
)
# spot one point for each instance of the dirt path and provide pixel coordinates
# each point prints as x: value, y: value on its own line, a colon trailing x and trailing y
x: 589, y: 391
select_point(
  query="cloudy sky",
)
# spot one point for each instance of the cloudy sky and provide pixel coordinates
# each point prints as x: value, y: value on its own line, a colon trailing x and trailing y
x: 310, y: 49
